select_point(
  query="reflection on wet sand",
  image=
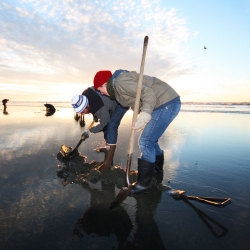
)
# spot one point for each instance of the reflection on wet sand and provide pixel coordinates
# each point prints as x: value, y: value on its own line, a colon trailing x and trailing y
x: 5, y: 112
x: 4, y: 101
x: 147, y: 235
x: 99, y: 220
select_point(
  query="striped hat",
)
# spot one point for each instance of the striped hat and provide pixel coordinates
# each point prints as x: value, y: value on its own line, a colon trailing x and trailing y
x: 79, y: 103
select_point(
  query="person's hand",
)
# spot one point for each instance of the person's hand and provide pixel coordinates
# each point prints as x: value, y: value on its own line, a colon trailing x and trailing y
x: 85, y: 135
x: 143, y: 119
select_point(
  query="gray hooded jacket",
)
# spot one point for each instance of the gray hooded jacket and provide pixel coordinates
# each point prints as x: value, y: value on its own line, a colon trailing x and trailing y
x: 154, y: 92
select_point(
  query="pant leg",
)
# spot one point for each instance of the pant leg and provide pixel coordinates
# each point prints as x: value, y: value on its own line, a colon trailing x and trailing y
x: 115, y: 120
x: 159, y: 122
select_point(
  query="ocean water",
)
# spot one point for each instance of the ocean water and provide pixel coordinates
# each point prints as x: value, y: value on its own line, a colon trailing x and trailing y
x: 206, y: 151
x: 217, y: 108
x: 243, y: 108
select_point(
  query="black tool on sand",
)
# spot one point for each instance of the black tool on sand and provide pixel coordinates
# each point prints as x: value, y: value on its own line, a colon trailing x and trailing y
x: 74, y: 152
x: 68, y: 153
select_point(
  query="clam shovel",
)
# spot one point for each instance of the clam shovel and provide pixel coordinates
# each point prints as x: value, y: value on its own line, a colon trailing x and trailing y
x: 125, y: 191
x: 214, y: 201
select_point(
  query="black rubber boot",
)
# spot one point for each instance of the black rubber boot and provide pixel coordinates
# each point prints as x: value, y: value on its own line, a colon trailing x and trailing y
x: 159, y: 161
x: 158, y: 177
x: 145, y: 173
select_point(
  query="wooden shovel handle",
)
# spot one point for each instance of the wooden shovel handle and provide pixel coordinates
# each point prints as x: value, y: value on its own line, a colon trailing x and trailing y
x: 138, y: 96
x: 136, y: 110
x: 125, y: 191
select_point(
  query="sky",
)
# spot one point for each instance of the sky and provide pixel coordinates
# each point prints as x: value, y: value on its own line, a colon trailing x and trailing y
x: 50, y: 50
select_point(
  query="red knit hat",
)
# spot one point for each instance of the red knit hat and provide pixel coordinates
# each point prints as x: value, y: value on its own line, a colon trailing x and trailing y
x: 101, y: 77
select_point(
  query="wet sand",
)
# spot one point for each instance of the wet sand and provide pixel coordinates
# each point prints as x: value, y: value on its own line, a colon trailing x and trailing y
x: 206, y: 154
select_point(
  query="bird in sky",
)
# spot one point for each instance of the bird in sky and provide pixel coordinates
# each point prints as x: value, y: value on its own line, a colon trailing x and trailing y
x: 205, y: 47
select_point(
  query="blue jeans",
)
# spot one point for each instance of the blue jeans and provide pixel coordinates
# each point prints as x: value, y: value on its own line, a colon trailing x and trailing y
x: 111, y: 134
x: 161, y: 118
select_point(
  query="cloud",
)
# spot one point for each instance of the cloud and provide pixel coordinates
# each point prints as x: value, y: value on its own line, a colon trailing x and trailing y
x: 73, y: 39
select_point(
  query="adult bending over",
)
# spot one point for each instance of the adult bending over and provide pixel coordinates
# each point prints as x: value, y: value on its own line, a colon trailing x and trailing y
x: 159, y: 105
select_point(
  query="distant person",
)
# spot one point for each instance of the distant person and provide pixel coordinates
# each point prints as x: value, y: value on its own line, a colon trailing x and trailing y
x: 159, y: 105
x: 50, y: 109
x: 82, y: 121
x: 109, y: 115
x: 77, y: 117
x: 80, y: 117
x: 4, y: 101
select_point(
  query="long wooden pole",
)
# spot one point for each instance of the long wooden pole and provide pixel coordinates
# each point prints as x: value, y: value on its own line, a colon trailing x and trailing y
x: 124, y: 192
x: 136, y: 110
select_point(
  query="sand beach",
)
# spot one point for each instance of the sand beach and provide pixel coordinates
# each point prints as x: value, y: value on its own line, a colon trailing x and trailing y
x: 206, y: 153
